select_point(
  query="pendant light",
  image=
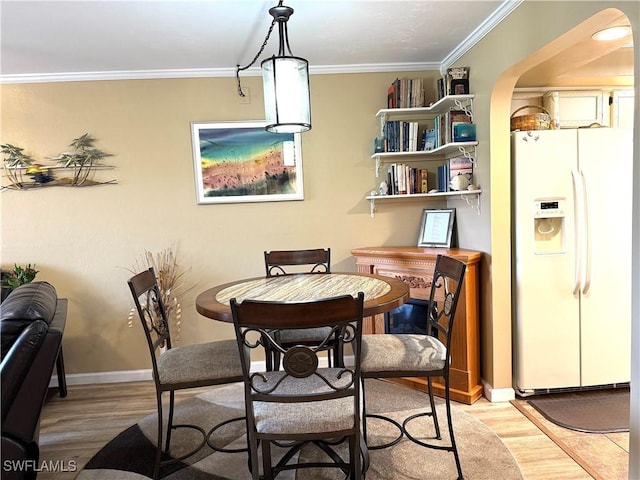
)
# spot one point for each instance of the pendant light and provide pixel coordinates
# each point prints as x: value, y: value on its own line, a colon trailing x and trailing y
x: 285, y: 81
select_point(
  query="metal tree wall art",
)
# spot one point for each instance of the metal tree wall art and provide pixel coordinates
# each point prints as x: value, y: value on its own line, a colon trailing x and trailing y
x: 22, y: 171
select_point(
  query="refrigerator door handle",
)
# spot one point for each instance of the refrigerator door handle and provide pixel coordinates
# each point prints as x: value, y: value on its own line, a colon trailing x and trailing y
x: 586, y: 234
x: 577, y: 207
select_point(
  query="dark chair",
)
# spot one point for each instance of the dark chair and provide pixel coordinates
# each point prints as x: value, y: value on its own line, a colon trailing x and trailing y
x: 303, y: 404
x: 416, y: 355
x: 285, y: 262
x: 275, y: 261
x: 179, y: 368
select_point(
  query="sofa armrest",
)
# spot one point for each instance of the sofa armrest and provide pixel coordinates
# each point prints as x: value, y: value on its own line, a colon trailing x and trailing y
x: 25, y: 304
x: 17, y: 362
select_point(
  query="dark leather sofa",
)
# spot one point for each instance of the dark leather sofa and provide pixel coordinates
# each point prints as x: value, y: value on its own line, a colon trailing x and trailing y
x: 32, y: 321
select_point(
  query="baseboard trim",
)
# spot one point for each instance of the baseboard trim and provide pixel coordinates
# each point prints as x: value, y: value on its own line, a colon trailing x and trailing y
x: 104, y: 377
x: 121, y: 376
x: 498, y: 394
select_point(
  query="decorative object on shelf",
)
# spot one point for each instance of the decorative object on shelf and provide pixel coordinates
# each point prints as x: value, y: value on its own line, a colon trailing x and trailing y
x: 384, y: 188
x: 460, y: 173
x: 241, y: 162
x: 169, y: 275
x: 436, y: 227
x: 82, y: 162
x: 285, y: 81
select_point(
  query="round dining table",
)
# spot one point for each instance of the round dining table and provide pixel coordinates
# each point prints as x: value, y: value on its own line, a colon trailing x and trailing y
x: 381, y: 294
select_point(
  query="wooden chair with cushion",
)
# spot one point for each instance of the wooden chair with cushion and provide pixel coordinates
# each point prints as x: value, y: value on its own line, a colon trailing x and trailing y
x: 284, y: 262
x: 179, y: 368
x: 418, y: 355
x: 303, y: 404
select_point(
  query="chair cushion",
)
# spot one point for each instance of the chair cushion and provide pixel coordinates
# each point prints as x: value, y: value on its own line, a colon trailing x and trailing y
x: 200, y: 364
x: 304, y: 417
x: 309, y: 417
x: 402, y: 352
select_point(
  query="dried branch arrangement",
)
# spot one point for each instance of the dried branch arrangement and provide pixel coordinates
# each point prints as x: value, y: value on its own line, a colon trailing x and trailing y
x: 169, y: 275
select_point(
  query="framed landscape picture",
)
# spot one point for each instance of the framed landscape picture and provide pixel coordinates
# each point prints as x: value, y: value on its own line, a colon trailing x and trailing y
x: 242, y: 162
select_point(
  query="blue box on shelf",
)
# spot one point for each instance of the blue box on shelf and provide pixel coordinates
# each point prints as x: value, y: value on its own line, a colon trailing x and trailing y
x: 464, y: 132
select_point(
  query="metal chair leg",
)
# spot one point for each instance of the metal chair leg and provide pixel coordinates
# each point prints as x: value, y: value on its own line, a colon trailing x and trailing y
x: 156, y: 465
x: 170, y: 422
x: 454, y: 447
x: 434, y: 413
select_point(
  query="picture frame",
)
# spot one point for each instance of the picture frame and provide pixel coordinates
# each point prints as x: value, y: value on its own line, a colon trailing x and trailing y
x: 238, y: 162
x: 436, y: 227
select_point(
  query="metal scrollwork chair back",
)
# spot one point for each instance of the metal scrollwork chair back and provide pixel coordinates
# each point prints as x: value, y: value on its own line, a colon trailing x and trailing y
x: 285, y: 262
x: 276, y: 262
x: 179, y: 368
x: 305, y: 403
x: 396, y: 355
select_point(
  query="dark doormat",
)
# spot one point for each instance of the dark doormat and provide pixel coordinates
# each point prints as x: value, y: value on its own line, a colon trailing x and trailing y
x: 593, y: 411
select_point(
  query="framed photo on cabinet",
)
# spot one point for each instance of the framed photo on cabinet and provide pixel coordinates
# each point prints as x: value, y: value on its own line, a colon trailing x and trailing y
x: 436, y: 227
x: 242, y: 162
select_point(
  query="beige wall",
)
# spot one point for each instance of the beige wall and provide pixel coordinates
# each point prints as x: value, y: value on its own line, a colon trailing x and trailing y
x: 494, y: 72
x: 84, y: 239
x: 499, y: 69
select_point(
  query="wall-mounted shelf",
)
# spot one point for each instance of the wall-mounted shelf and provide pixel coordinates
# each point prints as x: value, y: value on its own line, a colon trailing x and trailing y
x: 439, y: 154
x: 467, y: 149
x: 472, y: 197
x: 460, y: 102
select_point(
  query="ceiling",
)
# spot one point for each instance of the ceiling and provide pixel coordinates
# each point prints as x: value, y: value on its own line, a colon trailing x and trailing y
x: 116, y: 39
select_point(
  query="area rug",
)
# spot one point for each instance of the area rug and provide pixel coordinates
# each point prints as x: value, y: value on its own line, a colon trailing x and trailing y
x: 130, y: 455
x: 592, y: 411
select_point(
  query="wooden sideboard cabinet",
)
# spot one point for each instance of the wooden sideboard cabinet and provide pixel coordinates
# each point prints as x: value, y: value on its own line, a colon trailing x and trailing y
x: 414, y: 266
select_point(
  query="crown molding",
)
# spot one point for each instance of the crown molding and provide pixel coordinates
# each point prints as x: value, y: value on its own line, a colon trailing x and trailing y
x: 478, y: 34
x: 207, y: 73
x: 500, y: 14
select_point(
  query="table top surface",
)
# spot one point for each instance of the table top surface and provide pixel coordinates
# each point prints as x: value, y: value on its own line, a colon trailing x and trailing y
x: 381, y: 294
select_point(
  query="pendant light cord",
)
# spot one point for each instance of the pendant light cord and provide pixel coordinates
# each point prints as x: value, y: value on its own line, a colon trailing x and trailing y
x: 264, y: 44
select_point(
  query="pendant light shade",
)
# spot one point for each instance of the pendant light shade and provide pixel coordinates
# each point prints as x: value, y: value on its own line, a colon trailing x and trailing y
x: 286, y: 94
x: 285, y: 80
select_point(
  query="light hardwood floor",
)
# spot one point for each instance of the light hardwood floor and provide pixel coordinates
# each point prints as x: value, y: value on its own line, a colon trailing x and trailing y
x: 74, y: 428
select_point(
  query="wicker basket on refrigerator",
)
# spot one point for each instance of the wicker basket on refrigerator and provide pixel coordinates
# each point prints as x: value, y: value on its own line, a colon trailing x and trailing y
x: 531, y: 121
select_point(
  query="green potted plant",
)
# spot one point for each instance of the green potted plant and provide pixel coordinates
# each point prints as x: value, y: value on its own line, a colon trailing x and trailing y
x: 16, y: 277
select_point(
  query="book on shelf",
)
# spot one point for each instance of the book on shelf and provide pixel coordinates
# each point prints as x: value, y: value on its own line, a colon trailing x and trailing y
x: 400, y: 136
x: 406, y: 93
x: 443, y: 177
x: 454, y: 82
x: 443, y: 128
x: 458, y: 80
x: 455, y: 116
x: 424, y: 184
x: 405, y: 180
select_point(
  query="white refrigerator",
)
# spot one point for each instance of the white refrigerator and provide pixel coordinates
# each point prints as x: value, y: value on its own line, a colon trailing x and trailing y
x: 571, y: 258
